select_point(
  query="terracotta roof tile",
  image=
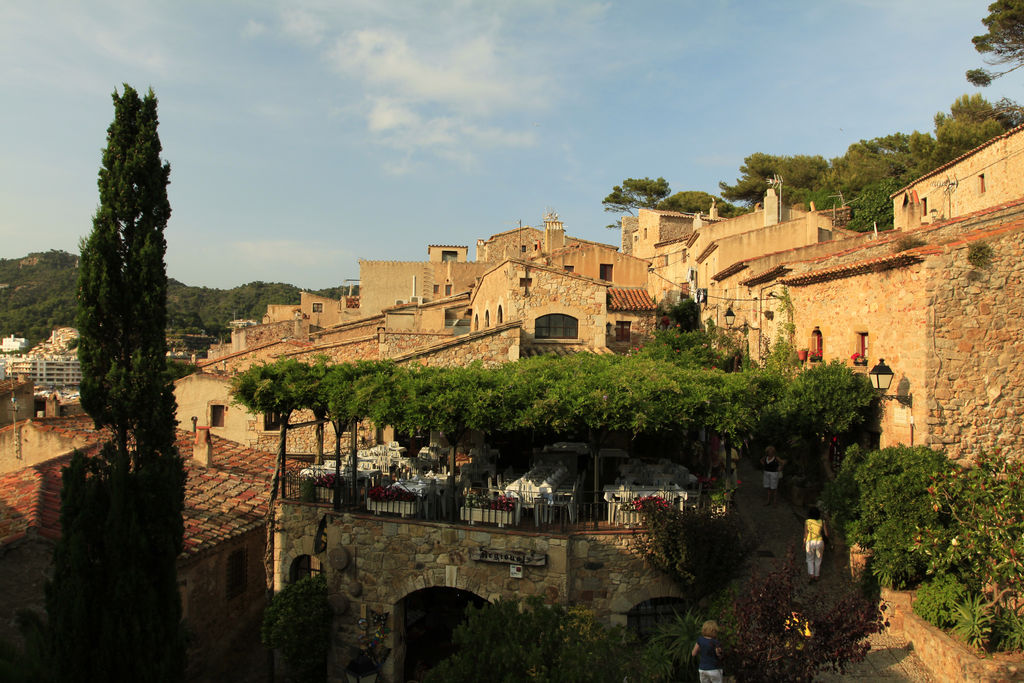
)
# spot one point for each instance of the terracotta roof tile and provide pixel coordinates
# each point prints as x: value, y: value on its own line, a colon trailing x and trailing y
x: 221, y: 502
x: 766, y: 276
x: 623, y: 299
x: 729, y: 271
x: 850, y: 269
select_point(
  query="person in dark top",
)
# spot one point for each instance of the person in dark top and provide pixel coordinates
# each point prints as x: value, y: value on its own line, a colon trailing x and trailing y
x: 710, y: 651
x: 772, y: 465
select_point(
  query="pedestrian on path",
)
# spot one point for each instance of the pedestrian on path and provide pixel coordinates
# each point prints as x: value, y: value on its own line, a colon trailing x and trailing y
x: 772, y: 466
x: 815, y: 533
x: 709, y: 666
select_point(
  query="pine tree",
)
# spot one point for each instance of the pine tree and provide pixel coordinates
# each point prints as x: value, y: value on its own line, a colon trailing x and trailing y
x: 113, y: 602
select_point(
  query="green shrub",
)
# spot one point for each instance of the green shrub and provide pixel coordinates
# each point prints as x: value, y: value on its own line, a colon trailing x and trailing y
x: 937, y: 600
x: 974, y: 620
x: 699, y: 550
x: 1008, y: 631
x: 893, y: 506
x: 842, y: 495
x: 298, y: 623
x: 668, y: 651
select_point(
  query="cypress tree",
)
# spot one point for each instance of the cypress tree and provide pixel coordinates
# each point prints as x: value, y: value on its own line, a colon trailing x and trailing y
x: 113, y: 602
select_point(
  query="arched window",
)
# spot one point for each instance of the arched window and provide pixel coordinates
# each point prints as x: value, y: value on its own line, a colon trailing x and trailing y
x: 817, y: 343
x: 487, y: 318
x: 501, y: 318
x: 303, y: 566
x: 556, y: 326
x: 476, y: 322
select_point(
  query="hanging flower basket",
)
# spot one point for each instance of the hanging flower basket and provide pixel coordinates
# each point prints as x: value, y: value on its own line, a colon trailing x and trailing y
x: 802, y: 355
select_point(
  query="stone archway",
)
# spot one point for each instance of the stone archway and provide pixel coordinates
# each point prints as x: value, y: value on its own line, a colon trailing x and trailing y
x: 424, y: 621
x: 644, y: 617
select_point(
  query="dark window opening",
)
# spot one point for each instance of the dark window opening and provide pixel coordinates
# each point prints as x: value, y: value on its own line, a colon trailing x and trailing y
x: 437, y: 289
x: 645, y: 617
x: 217, y: 415
x: 447, y: 290
x: 449, y: 256
x: 817, y: 344
x: 569, y: 269
x: 302, y: 567
x: 237, y: 578
x: 606, y: 271
x: 622, y: 331
x: 981, y: 184
x: 525, y: 281
x: 318, y: 308
x: 487, y: 318
x: 501, y: 316
x: 522, y: 248
x: 272, y: 421
x: 556, y: 326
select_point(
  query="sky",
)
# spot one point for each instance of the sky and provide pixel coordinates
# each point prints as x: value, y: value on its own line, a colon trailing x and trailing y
x: 304, y: 135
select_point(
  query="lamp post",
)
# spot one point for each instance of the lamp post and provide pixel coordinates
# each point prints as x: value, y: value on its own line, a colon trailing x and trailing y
x: 881, y: 376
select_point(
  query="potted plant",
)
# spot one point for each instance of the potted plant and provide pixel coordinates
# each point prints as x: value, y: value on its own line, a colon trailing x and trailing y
x: 802, y: 355
x: 859, y: 358
x: 631, y: 512
x: 814, y: 356
x: 393, y: 499
x: 481, y: 508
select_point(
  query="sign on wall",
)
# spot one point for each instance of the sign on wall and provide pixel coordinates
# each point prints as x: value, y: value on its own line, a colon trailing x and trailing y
x: 502, y: 556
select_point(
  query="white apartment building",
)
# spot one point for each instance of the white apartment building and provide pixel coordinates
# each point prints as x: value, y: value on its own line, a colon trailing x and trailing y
x: 12, y: 343
x: 51, y: 372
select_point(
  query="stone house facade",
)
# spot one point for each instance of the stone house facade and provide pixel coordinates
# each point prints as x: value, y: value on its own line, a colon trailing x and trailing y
x: 17, y: 400
x: 986, y: 176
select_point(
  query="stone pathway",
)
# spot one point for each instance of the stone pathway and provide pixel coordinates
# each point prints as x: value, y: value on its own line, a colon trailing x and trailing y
x: 779, y: 528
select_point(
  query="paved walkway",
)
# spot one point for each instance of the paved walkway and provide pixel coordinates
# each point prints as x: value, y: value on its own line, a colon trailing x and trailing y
x: 778, y: 528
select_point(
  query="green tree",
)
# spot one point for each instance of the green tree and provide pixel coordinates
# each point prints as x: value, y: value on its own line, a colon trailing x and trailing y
x: 1002, y: 43
x: 115, y: 575
x: 801, y: 174
x: 635, y: 194
x: 298, y: 623
x: 507, y: 643
x: 695, y: 201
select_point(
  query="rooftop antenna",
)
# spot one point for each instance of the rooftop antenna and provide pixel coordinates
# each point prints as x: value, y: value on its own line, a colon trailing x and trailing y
x: 776, y: 181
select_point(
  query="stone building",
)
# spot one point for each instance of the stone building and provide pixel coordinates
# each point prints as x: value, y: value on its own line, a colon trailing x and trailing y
x: 220, y: 570
x: 17, y: 400
x: 986, y: 176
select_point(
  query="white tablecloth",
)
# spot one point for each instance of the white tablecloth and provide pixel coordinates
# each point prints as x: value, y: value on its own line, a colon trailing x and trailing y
x: 541, y: 481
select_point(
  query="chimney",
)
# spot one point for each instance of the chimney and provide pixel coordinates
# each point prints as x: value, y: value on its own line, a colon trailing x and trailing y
x: 771, y: 207
x: 202, y: 448
x: 714, y: 209
x: 554, y: 233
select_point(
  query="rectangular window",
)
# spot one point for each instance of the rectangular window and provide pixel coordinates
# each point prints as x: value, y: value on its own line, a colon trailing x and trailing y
x: 622, y: 331
x: 272, y: 421
x: 449, y: 256
x: 522, y: 248
x: 924, y: 206
x: 318, y: 308
x: 606, y: 272
x: 569, y: 269
x: 447, y: 290
x: 981, y: 183
x: 217, y: 415
x: 525, y: 281
x: 236, y: 579
x: 862, y: 343
x: 437, y: 289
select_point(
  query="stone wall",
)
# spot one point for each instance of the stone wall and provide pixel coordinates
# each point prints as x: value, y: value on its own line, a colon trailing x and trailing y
x: 355, y: 330
x: 224, y: 625
x: 373, y: 563
x: 256, y: 335
x: 509, y: 244
x: 976, y: 378
x: 587, y: 260
x: 401, y: 343
x: 946, y: 658
x: 364, y: 348
x: 491, y: 348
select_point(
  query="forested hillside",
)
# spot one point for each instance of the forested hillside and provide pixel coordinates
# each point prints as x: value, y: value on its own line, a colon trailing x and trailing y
x: 37, y: 293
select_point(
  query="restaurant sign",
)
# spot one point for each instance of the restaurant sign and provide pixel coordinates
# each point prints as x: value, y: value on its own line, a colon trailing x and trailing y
x: 520, y: 557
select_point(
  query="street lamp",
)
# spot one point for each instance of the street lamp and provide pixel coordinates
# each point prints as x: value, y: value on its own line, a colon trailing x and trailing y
x: 881, y: 376
x: 361, y: 670
x: 730, y: 317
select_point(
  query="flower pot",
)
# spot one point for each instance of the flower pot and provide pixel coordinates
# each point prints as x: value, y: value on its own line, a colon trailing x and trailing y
x: 487, y: 516
x: 406, y: 508
x: 861, y: 361
x: 626, y: 517
x: 802, y: 355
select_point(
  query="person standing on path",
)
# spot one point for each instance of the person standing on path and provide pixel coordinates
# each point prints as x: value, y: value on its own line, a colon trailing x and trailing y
x: 710, y: 650
x: 815, y: 533
x: 772, y: 465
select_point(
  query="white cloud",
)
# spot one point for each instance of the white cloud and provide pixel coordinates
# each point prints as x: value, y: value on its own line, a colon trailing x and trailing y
x: 253, y: 29
x: 303, y: 26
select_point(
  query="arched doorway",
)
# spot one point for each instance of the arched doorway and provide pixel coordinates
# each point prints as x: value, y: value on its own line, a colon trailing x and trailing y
x: 431, y: 615
x: 645, y: 616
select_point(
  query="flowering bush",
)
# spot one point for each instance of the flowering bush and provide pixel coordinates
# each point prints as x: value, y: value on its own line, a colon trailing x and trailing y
x: 814, y: 356
x: 645, y: 503
x: 325, y: 480
x: 390, y: 493
x: 503, y: 503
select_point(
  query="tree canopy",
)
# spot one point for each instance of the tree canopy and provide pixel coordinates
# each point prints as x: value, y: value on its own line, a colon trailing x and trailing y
x: 1002, y: 43
x: 115, y: 575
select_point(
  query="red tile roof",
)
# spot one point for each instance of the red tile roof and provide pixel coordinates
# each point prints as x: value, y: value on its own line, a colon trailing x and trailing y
x: 873, y: 265
x: 221, y: 502
x: 622, y: 299
x: 707, y: 252
x: 766, y: 276
x: 729, y: 271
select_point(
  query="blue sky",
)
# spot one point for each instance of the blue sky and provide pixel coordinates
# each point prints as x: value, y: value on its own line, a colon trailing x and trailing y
x: 304, y: 135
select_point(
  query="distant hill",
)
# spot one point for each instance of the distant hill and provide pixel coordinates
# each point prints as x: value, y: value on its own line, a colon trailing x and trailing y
x: 37, y: 293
